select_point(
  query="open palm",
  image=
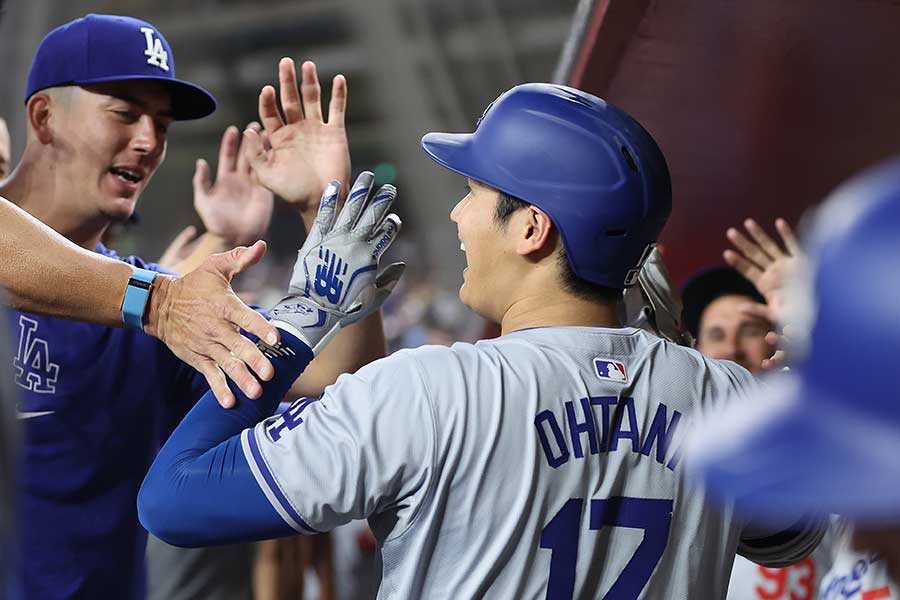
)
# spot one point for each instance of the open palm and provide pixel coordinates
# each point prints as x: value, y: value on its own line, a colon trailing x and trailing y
x: 234, y: 208
x: 296, y: 156
x: 766, y: 263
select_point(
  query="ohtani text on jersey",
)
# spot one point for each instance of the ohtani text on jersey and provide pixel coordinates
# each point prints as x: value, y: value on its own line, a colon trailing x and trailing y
x: 606, y: 424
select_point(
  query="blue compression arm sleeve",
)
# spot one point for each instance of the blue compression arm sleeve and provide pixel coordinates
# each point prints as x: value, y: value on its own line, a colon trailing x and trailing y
x: 200, y: 490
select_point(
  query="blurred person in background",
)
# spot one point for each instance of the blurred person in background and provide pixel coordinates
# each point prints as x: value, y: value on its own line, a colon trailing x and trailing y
x: 299, y: 567
x: 821, y: 438
x: 729, y: 320
x: 713, y: 301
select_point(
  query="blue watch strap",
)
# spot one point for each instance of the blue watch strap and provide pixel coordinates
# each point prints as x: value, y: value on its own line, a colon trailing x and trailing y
x: 136, y: 295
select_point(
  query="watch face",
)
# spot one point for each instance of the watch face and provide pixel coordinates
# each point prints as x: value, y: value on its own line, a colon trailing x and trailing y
x: 140, y: 283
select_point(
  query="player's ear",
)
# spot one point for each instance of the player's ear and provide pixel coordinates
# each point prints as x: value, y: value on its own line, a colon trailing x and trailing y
x: 38, y: 110
x: 537, y: 233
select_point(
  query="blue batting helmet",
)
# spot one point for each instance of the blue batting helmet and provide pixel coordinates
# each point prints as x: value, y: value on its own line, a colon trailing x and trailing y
x: 827, y: 437
x: 591, y: 167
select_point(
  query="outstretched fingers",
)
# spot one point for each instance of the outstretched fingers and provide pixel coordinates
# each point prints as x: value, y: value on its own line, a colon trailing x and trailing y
x: 743, y: 266
x: 228, y: 151
x: 377, y: 209
x: 385, y: 235
x: 750, y: 250
x: 766, y: 243
x: 787, y: 235
x: 217, y: 382
x: 290, y: 96
x: 311, y: 92
x: 268, y: 110
x: 328, y: 206
x: 356, y: 201
x: 337, y: 107
x: 253, y: 150
x: 243, y: 159
x: 201, y: 181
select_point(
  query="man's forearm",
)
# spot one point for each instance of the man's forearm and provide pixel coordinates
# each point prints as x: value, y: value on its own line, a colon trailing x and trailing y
x: 45, y: 273
x: 200, y: 489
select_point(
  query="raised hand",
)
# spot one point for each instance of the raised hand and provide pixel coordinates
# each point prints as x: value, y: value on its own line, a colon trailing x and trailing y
x: 180, y: 248
x: 198, y: 317
x: 296, y: 156
x: 335, y: 281
x: 234, y: 208
x: 765, y: 263
x: 769, y: 267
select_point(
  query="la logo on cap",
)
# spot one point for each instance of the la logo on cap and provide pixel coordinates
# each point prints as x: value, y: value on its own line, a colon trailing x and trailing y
x: 158, y: 57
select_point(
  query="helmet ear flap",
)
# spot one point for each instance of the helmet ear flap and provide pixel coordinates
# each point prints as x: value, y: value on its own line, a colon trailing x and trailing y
x: 631, y: 277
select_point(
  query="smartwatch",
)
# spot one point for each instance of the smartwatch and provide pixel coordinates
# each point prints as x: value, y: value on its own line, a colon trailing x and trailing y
x: 136, y: 295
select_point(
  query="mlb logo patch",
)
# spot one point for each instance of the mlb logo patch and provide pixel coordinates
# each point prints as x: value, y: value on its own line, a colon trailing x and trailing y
x: 614, y: 370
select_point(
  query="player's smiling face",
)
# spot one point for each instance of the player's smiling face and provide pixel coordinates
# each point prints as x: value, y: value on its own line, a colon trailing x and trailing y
x: 484, y: 244
x: 112, y: 138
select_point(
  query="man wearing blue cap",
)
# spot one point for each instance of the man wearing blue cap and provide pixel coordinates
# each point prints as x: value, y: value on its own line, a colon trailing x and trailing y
x: 541, y: 464
x: 100, y: 98
x: 101, y: 95
x: 95, y: 286
x: 826, y: 437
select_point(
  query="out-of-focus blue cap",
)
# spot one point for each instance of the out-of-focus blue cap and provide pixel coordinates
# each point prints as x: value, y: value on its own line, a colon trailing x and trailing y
x: 102, y: 48
x: 826, y: 437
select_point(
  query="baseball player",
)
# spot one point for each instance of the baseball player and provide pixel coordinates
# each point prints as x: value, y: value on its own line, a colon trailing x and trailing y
x: 541, y: 464
x: 95, y: 400
x: 95, y: 286
x: 828, y: 437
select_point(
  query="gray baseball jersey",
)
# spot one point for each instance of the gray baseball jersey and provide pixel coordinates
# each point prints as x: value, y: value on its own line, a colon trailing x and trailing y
x: 542, y: 464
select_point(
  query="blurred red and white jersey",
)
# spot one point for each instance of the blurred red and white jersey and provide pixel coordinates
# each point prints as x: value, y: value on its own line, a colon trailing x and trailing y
x: 855, y: 575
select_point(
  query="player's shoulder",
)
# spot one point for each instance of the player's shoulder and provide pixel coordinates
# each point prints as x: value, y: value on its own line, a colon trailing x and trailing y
x: 721, y: 372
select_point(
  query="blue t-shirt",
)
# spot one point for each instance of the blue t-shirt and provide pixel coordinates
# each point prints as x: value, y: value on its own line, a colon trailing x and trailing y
x: 95, y: 405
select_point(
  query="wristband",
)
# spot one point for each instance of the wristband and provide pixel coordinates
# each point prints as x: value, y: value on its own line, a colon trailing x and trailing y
x: 136, y: 295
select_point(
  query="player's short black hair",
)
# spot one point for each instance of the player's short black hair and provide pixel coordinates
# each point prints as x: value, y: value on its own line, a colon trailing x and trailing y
x: 572, y: 283
x: 708, y: 285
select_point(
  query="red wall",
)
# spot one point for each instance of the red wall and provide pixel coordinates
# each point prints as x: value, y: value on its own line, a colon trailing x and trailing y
x: 761, y: 107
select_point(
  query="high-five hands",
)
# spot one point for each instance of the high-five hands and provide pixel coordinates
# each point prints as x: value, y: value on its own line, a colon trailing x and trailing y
x: 336, y: 280
x: 235, y: 208
x: 769, y: 266
x: 297, y: 155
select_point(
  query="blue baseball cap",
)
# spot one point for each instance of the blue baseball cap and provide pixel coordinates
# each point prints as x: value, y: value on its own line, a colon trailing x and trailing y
x: 103, y: 48
x: 826, y: 436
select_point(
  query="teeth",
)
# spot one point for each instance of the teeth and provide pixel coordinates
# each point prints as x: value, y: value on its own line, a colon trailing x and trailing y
x: 462, y: 246
x: 126, y: 174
